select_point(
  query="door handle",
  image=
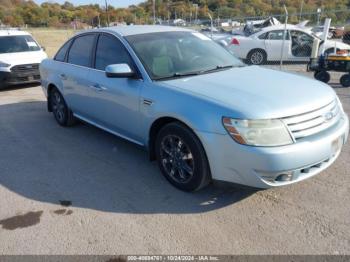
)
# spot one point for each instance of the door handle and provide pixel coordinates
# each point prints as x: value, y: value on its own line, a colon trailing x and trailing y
x: 98, y: 87
x: 63, y: 76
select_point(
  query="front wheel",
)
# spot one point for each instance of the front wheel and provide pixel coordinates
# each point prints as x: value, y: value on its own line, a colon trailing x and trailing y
x: 322, y: 76
x: 181, y: 157
x: 345, y: 80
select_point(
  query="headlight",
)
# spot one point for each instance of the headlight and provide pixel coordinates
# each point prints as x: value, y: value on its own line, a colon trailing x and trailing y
x: 340, y: 105
x: 269, y: 132
x: 2, y: 64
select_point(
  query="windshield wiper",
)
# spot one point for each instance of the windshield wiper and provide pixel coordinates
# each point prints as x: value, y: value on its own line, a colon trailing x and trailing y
x: 178, y: 75
x: 217, y: 68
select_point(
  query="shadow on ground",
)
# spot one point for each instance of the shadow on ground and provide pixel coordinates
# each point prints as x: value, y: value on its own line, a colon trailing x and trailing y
x: 15, y: 87
x: 42, y: 161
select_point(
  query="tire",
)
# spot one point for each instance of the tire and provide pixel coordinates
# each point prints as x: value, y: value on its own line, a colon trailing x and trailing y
x: 181, y: 157
x: 345, y: 80
x: 61, y: 112
x: 322, y: 76
x: 257, y: 57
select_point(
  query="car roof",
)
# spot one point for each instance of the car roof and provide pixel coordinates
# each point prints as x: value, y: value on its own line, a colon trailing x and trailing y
x: 282, y: 26
x: 128, y: 30
x: 12, y: 32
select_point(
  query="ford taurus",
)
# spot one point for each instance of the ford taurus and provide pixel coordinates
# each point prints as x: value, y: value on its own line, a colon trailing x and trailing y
x: 200, y: 112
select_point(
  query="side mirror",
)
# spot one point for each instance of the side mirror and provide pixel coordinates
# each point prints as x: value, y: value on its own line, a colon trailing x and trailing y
x: 43, y: 48
x: 119, y: 71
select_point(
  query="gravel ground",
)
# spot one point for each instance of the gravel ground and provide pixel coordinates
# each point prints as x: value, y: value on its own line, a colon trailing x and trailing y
x: 81, y: 190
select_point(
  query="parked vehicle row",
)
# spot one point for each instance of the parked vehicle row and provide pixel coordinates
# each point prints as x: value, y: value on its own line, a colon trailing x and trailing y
x: 200, y: 112
x: 266, y: 45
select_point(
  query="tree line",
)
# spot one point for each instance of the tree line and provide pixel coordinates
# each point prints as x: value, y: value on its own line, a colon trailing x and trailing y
x: 49, y: 14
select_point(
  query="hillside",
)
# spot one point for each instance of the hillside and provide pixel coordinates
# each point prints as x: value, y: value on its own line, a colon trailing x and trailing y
x: 21, y: 12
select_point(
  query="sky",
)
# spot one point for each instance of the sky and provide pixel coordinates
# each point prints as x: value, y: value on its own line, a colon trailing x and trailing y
x: 115, y: 3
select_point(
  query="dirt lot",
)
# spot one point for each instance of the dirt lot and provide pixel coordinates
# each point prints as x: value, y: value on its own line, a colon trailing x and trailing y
x: 81, y: 190
x: 51, y: 39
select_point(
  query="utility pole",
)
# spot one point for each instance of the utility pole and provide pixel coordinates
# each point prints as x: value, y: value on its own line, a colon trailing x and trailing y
x: 154, y: 11
x: 211, y: 25
x: 301, y: 9
x: 196, y: 9
x: 107, y: 14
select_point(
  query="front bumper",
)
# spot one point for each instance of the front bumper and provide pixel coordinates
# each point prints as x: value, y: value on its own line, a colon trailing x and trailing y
x: 261, y: 166
x: 15, y: 78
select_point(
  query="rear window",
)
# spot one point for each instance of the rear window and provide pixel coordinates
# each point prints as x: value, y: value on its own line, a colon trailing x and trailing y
x: 61, y: 54
x: 16, y: 44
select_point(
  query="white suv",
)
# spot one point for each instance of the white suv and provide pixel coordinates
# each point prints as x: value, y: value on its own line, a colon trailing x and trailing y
x: 20, y: 56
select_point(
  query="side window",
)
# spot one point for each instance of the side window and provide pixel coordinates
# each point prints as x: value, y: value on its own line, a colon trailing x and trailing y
x: 277, y: 35
x: 110, y: 51
x: 61, y: 54
x: 81, y: 50
x: 263, y: 36
x: 301, y: 36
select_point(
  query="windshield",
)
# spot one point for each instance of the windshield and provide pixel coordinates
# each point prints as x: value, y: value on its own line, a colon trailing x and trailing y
x: 14, y: 44
x: 176, y: 54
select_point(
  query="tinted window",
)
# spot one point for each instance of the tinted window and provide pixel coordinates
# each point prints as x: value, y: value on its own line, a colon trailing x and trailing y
x: 61, y: 54
x: 81, y: 50
x: 110, y: 51
x: 14, y: 44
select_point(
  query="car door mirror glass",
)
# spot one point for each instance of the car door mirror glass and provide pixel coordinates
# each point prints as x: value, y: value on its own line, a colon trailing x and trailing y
x: 119, y: 70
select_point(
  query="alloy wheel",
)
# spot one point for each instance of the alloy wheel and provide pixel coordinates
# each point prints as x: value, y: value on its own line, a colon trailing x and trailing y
x: 58, y: 106
x: 257, y: 58
x: 177, y: 159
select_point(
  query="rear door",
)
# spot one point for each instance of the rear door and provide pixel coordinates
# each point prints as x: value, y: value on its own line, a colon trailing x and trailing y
x: 274, y: 43
x: 74, y: 73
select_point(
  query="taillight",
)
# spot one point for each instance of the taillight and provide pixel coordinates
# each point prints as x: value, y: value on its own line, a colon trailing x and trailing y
x: 234, y: 41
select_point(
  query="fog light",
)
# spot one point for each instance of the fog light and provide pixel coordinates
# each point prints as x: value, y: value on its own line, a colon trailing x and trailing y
x: 285, y: 177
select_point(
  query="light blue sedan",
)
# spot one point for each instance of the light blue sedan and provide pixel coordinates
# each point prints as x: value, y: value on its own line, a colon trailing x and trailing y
x: 200, y: 112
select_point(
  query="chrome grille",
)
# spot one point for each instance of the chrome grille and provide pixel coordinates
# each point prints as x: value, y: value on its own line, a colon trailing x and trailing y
x: 25, y: 68
x: 313, y: 122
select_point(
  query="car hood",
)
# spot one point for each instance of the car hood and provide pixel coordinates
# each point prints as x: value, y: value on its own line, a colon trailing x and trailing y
x: 22, y: 58
x: 253, y: 92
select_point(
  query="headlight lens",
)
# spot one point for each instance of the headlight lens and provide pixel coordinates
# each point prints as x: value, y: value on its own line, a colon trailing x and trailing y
x: 3, y: 64
x: 267, y: 132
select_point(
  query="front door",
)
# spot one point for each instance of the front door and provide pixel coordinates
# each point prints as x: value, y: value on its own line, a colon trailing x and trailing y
x: 114, y: 102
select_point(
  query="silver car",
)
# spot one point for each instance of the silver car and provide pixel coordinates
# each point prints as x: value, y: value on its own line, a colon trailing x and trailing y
x: 200, y: 112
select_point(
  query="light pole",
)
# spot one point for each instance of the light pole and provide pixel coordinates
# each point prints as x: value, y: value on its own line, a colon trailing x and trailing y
x: 318, y: 15
x: 107, y: 14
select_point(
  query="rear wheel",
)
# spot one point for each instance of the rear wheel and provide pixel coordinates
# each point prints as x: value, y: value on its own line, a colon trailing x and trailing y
x: 181, y: 157
x: 322, y: 76
x: 345, y: 80
x: 257, y: 57
x: 61, y: 112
